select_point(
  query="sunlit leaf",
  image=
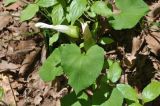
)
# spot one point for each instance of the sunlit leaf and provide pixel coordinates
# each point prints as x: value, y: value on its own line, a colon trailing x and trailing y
x: 76, y: 9
x: 46, y: 3
x: 102, y: 8
x: 131, y: 11
x: 57, y: 14
x: 82, y: 69
x: 53, y: 39
x: 114, y: 72
x: 135, y: 104
x: 87, y: 36
x: 51, y: 67
x: 151, y: 91
x: 29, y: 12
x: 128, y: 92
x: 116, y: 99
x: 106, y: 40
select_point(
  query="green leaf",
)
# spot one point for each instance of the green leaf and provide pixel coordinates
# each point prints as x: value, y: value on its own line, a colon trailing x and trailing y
x: 7, y: 2
x: 82, y: 69
x: 110, y: 62
x: 100, y: 94
x: 29, y: 12
x: 106, y: 40
x: 53, y: 39
x: 101, y: 8
x: 115, y: 96
x: 1, y: 92
x: 87, y: 36
x: 135, y: 104
x: 76, y: 9
x: 69, y: 99
x: 73, y: 100
x: 57, y: 14
x: 51, y: 67
x: 128, y: 92
x: 131, y: 11
x: 114, y: 72
x: 46, y: 3
x: 151, y: 91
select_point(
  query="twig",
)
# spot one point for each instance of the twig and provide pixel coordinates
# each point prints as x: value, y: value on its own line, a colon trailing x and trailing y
x: 12, y: 90
x: 4, y: 103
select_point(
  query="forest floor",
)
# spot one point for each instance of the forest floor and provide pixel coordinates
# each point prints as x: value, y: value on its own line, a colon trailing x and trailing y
x: 22, y: 52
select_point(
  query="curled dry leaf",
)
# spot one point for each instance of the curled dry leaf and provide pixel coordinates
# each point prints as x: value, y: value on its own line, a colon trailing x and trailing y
x: 28, y: 61
x: 130, y: 58
x: 153, y: 43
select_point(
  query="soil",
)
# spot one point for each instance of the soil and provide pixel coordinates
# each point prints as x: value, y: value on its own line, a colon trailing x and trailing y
x: 23, y: 51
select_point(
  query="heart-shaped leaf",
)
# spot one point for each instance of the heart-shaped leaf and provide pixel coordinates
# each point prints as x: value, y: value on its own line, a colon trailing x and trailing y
x: 82, y: 69
x: 51, y: 67
x: 128, y: 92
x: 151, y: 91
x: 131, y: 11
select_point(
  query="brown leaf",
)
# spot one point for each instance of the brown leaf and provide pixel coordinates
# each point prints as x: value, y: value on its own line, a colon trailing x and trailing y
x: 8, y: 94
x: 37, y: 99
x: 28, y: 61
x: 153, y: 43
x: 6, y: 19
x: 4, y: 65
x: 15, y: 6
x: 136, y: 44
x: 28, y: 44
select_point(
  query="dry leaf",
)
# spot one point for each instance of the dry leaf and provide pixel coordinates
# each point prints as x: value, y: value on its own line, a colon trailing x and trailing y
x: 15, y: 6
x: 4, y: 65
x: 6, y: 19
x: 8, y: 94
x: 153, y: 43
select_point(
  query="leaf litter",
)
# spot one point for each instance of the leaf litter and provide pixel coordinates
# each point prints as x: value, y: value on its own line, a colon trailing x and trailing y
x: 21, y: 56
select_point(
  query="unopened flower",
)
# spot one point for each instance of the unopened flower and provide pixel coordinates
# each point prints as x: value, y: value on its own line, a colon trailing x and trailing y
x: 72, y: 31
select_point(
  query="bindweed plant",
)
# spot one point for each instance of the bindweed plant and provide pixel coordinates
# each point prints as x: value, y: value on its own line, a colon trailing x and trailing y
x: 81, y: 58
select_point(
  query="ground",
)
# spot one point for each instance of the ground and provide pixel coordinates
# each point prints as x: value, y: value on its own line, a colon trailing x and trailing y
x: 23, y: 51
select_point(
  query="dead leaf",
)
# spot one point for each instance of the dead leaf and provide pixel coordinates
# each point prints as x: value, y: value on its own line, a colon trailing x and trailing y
x: 37, y: 99
x: 28, y: 61
x: 4, y: 65
x: 15, y: 6
x: 28, y: 44
x: 8, y: 93
x: 136, y: 44
x: 153, y: 43
x: 35, y: 82
x: 6, y: 19
x: 129, y: 58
